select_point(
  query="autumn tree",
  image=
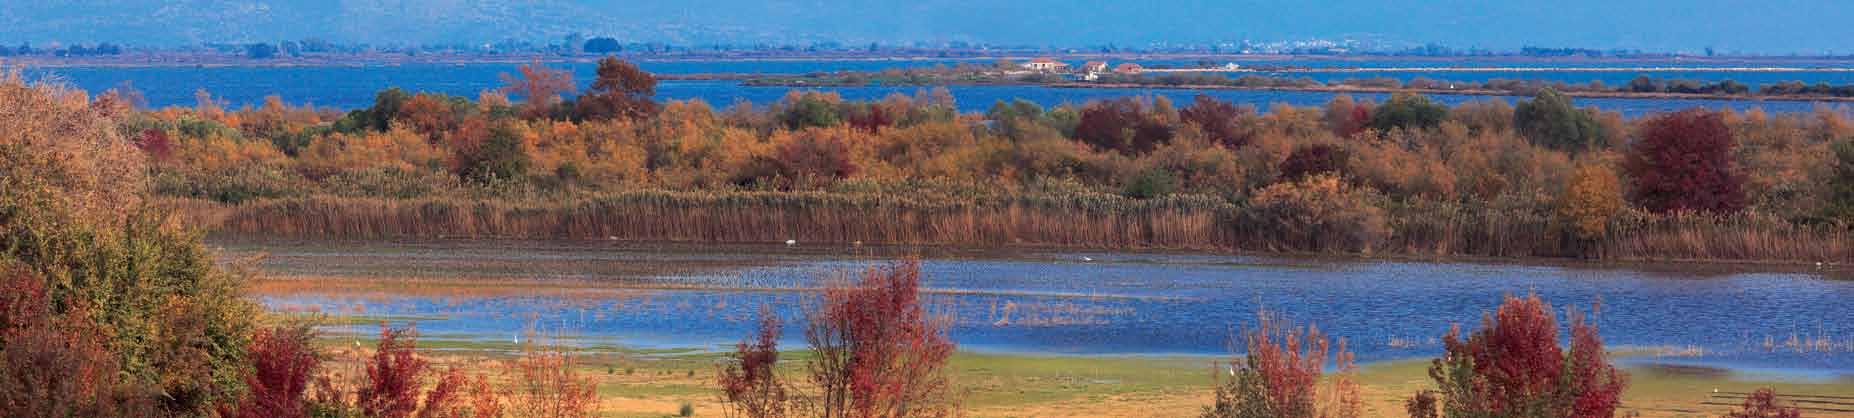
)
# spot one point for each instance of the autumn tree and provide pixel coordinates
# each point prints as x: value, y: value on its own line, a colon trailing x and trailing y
x: 1314, y: 159
x: 282, y: 362
x: 1221, y: 121
x: 1124, y: 125
x: 1549, y: 120
x: 1280, y: 375
x: 1346, y: 117
x: 539, y: 86
x: 622, y: 90
x: 395, y: 374
x: 1683, y: 162
x: 74, y: 219
x: 1513, y: 366
x: 1591, y: 199
x: 1763, y: 404
x: 750, y: 383
x: 876, y: 352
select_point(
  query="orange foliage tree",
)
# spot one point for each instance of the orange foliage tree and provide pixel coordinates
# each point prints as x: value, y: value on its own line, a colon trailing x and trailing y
x: 539, y: 86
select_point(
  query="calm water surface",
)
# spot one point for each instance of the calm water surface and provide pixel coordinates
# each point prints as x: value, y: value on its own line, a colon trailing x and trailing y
x: 1120, y: 304
x: 345, y: 87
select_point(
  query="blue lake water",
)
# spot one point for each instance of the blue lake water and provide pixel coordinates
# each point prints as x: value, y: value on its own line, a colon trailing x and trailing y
x: 1123, y: 304
x: 347, y: 87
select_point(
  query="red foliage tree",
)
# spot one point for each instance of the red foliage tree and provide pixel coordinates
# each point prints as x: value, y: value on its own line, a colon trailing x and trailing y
x: 750, y: 384
x: 1513, y: 366
x: 282, y: 362
x: 1683, y: 161
x: 1763, y: 404
x: 1220, y: 120
x: 878, y: 352
x: 156, y: 144
x: 1122, y: 125
x: 870, y: 118
x: 1313, y: 159
x: 1280, y: 376
x: 55, y: 366
x: 446, y: 399
x: 394, y: 376
x: 1346, y: 117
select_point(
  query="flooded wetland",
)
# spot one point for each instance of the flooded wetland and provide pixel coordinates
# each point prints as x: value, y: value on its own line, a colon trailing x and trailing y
x: 1072, y: 314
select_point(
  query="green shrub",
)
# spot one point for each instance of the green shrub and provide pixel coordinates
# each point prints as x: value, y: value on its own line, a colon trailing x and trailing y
x: 1550, y: 121
x: 1408, y: 111
x: 1152, y: 183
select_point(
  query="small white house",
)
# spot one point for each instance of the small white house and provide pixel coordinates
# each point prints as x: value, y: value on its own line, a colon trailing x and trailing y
x: 1046, y: 64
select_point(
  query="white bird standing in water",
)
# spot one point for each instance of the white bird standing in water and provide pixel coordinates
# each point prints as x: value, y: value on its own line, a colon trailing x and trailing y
x: 1087, y: 258
x: 791, y: 242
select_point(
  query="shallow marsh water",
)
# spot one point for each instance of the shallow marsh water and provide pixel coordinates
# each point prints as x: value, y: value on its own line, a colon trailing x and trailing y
x: 1055, y: 302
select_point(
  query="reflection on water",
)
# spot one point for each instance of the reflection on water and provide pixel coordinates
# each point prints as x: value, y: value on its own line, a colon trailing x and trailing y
x: 1114, y: 304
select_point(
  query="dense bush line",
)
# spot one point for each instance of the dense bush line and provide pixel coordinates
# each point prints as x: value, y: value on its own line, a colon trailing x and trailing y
x: 1409, y: 176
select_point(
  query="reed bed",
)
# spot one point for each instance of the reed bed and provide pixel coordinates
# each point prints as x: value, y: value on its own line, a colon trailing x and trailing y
x: 1741, y: 237
x: 1074, y: 221
x: 1084, y: 221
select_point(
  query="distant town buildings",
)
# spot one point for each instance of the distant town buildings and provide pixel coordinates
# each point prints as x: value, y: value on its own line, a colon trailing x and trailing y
x: 1046, y: 64
x: 1128, y: 68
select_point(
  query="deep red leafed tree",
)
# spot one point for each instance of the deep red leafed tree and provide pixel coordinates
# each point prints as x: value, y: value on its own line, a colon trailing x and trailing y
x: 281, y: 362
x: 750, y: 384
x: 879, y: 353
x: 156, y: 143
x: 1763, y: 404
x: 1309, y: 160
x: 870, y: 119
x: 1683, y: 162
x: 1220, y: 120
x: 1122, y: 125
x: 394, y: 376
x: 1513, y: 366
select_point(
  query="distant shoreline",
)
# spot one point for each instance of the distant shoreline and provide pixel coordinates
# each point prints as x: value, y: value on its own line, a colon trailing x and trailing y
x: 163, y: 60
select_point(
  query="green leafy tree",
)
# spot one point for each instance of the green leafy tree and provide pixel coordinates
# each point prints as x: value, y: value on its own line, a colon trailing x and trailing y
x: 1841, y: 182
x: 1408, y: 111
x: 1549, y: 120
x: 501, y: 157
x: 810, y: 111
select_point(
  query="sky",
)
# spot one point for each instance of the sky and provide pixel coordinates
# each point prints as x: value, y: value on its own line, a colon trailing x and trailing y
x: 1763, y: 27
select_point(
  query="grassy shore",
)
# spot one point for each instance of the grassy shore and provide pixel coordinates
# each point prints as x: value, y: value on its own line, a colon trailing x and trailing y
x: 655, y: 383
